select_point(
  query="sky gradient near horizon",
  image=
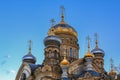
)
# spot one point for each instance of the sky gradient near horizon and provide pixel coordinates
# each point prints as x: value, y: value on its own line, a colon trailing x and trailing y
x: 23, y: 20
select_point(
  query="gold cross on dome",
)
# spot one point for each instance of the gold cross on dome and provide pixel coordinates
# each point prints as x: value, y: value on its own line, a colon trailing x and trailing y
x: 96, y: 36
x: 62, y: 9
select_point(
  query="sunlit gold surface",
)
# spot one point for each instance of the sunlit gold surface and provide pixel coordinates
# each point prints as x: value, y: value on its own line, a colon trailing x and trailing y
x: 89, y: 54
x: 112, y: 72
x: 64, y: 61
x: 64, y: 30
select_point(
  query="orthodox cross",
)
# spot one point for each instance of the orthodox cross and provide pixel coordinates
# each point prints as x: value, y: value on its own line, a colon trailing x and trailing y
x: 96, y: 36
x: 30, y: 45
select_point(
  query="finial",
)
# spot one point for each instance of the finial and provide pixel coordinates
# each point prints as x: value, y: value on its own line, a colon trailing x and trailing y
x: 64, y: 62
x: 64, y: 54
x: 88, y: 54
x: 30, y: 45
x: 51, y: 32
x: 62, y: 15
x: 88, y: 38
x: 52, y: 21
x: 96, y: 36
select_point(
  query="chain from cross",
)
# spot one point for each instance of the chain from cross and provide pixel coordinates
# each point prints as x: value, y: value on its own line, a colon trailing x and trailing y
x: 88, y: 38
x: 96, y: 36
x: 52, y: 21
x: 62, y: 9
x: 62, y: 16
x: 30, y: 45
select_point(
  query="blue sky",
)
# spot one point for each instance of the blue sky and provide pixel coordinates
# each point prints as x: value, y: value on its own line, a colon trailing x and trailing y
x: 23, y: 20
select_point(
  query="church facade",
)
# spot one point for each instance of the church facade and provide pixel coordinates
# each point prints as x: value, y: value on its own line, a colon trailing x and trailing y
x: 62, y: 62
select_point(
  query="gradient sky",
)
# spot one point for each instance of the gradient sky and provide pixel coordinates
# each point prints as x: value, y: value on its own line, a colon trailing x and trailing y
x: 23, y: 20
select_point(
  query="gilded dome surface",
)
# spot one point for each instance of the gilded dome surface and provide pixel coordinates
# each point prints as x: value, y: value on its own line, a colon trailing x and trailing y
x: 63, y: 27
x: 64, y: 62
x: 112, y: 72
x: 89, y: 54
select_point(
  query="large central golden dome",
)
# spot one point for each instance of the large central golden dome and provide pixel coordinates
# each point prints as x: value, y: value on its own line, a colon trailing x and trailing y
x: 63, y: 28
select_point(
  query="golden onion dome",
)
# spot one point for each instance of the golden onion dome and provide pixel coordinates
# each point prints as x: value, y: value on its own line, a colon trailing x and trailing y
x: 112, y: 72
x: 89, y: 54
x: 64, y: 62
x: 63, y: 28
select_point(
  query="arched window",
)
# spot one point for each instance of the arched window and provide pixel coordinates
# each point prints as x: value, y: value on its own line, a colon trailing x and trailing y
x: 70, y: 52
x: 75, y: 53
x: 23, y: 77
x: 55, y: 54
x: 66, y: 51
x: 50, y: 52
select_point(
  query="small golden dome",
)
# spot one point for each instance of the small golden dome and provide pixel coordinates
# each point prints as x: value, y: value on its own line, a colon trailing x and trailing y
x: 64, y: 61
x: 89, y: 54
x: 112, y: 72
